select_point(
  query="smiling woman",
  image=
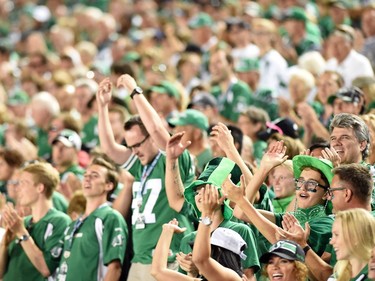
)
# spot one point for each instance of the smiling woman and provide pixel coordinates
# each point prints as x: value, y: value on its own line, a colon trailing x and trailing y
x: 353, y: 238
x: 284, y: 261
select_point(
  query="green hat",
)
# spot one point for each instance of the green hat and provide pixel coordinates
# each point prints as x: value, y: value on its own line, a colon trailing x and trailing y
x: 215, y: 172
x: 19, y: 97
x: 131, y: 56
x: 246, y: 65
x: 190, y: 117
x: 295, y: 13
x: 200, y: 20
x: 301, y: 162
x: 166, y: 87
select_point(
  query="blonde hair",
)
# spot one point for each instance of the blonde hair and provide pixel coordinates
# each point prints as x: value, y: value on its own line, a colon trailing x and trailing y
x: 358, y: 231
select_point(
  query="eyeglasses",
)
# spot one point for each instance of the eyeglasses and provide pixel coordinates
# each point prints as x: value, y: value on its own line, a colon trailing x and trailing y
x: 331, y: 190
x: 310, y: 185
x: 138, y: 145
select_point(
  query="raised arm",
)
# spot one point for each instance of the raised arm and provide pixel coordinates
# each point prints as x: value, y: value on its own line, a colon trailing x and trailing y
x: 207, y: 266
x: 272, y: 158
x: 149, y: 116
x: 266, y: 226
x: 115, y: 151
x: 222, y: 135
x: 159, y: 268
x: 173, y: 182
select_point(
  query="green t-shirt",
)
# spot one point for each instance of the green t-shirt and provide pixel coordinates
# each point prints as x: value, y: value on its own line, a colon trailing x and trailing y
x: 154, y: 205
x: 246, y: 233
x: 234, y: 100
x: 46, y: 234
x: 89, y: 133
x: 99, y: 240
x: 59, y: 202
x: 320, y: 225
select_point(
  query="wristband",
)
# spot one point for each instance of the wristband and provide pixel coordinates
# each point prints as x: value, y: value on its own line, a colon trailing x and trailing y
x: 306, y: 249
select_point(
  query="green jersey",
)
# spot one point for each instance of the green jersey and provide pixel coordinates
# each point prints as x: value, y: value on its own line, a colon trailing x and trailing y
x: 150, y: 204
x: 47, y: 234
x: 246, y: 233
x: 234, y: 100
x: 91, y: 244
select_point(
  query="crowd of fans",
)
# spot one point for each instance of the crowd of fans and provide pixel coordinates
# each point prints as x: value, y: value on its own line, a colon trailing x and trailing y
x: 187, y: 140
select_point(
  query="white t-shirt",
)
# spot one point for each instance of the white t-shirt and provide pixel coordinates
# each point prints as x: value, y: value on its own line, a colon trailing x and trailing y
x: 353, y: 66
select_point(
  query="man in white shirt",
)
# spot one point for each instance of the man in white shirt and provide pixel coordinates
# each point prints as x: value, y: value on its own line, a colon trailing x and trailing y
x: 346, y: 61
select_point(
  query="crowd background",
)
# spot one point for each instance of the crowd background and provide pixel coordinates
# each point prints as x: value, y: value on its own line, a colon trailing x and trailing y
x: 269, y: 73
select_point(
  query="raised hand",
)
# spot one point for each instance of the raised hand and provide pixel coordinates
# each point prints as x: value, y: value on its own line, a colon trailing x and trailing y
x: 292, y: 230
x: 104, y: 94
x: 232, y: 191
x: 175, y: 147
x: 223, y: 137
x: 274, y: 156
x: 127, y: 82
x: 331, y: 155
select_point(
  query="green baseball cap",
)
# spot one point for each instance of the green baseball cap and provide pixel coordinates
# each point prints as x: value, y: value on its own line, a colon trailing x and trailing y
x: 200, y: 20
x: 215, y: 173
x: 191, y: 117
x: 166, y: 87
x: 301, y: 162
x: 295, y: 13
x: 246, y: 65
x: 19, y: 97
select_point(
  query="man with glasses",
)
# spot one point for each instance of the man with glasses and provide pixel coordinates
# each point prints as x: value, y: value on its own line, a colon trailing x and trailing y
x: 143, y: 157
x: 351, y: 187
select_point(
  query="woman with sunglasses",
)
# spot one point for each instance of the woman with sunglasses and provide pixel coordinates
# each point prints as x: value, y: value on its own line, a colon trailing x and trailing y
x: 312, y: 179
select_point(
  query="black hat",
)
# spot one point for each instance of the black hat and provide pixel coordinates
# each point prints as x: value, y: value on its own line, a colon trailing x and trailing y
x: 283, y: 126
x: 348, y: 94
x: 285, y: 249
